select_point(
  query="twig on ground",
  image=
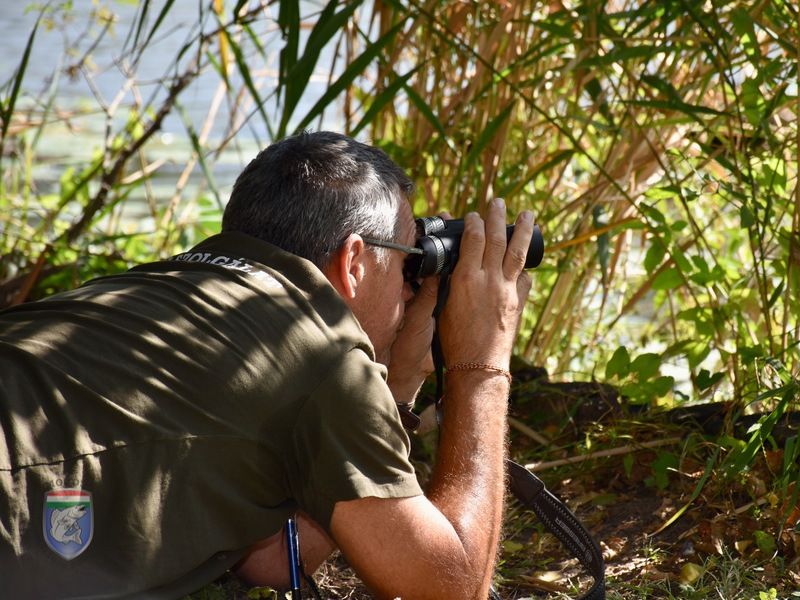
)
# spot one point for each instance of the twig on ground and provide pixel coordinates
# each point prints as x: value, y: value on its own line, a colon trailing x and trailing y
x: 531, y: 433
x: 601, y: 454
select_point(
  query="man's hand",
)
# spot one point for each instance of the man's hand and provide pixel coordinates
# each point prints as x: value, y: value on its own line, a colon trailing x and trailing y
x: 488, y: 290
x: 444, y: 545
x: 410, y: 362
x: 267, y: 562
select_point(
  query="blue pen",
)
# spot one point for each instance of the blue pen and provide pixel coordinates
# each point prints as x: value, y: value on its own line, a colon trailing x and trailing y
x: 294, y: 558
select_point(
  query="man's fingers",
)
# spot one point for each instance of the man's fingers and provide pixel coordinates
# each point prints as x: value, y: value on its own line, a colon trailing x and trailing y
x: 472, y: 243
x: 424, y: 302
x: 517, y: 251
x: 524, y: 282
x: 495, y: 234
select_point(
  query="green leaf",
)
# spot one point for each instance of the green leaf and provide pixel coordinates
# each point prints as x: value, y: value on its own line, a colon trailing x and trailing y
x: 646, y: 365
x: 679, y: 225
x: 700, y: 263
x: 663, y: 193
x: 663, y: 385
x: 749, y: 354
x: 706, y: 380
x: 652, y: 213
x: 599, y: 220
x: 655, y: 254
x: 680, y: 259
x: 619, y: 365
x: 627, y: 464
x: 765, y: 542
x: 668, y: 279
x: 697, y: 352
x: 688, y: 109
x: 512, y: 547
x: 663, y: 86
x: 661, y: 466
x: 776, y: 294
x: 754, y: 101
x: 745, y: 31
x: 740, y: 459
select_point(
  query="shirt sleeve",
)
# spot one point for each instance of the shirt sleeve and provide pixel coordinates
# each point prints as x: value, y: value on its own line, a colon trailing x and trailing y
x: 349, y: 441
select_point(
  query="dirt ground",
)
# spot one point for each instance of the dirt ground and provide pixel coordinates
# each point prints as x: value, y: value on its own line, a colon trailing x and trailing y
x: 645, y: 485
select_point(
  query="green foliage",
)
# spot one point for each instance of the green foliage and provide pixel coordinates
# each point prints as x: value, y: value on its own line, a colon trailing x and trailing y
x: 640, y: 379
x: 661, y: 466
x: 656, y: 142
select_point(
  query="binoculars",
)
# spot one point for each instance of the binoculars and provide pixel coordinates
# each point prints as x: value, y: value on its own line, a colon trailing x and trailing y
x: 439, y: 241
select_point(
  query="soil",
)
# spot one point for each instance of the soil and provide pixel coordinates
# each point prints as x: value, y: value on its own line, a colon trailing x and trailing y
x: 626, y: 499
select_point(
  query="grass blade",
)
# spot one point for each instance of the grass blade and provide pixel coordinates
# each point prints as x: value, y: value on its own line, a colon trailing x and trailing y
x: 187, y: 123
x: 382, y: 99
x: 9, y: 103
x: 289, y: 23
x: 328, y: 24
x: 144, y: 8
x: 237, y: 9
x: 245, y: 73
x: 707, y: 473
x: 354, y: 70
x: 487, y: 134
x: 429, y: 115
x: 159, y: 20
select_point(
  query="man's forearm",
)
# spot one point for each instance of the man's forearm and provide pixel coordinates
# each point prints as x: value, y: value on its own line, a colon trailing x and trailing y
x: 468, y: 482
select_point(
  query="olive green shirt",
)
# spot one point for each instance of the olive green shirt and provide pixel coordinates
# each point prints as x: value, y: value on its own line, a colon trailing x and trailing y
x: 196, y: 403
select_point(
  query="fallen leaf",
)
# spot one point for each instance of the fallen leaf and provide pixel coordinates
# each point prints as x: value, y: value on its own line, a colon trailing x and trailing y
x: 690, y: 573
x: 765, y: 542
x: 774, y: 459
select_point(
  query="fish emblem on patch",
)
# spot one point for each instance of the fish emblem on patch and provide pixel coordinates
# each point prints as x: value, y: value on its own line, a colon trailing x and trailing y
x: 68, y: 521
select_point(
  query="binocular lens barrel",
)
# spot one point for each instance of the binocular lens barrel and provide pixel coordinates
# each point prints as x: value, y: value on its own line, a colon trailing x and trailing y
x: 440, y: 241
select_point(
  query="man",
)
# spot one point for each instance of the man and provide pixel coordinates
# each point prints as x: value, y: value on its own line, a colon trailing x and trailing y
x: 158, y: 427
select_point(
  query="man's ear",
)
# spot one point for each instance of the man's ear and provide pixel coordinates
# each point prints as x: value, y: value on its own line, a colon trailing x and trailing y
x: 347, y: 266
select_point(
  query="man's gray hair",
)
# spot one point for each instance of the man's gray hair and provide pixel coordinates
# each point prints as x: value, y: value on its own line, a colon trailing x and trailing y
x: 307, y: 193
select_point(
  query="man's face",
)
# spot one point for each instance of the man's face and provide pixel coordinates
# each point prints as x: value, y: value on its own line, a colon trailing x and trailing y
x: 381, y: 306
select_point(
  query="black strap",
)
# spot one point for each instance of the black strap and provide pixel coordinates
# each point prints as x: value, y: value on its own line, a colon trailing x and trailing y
x: 561, y: 522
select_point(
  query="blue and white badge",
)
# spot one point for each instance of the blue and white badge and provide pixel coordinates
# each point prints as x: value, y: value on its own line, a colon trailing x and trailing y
x: 68, y: 521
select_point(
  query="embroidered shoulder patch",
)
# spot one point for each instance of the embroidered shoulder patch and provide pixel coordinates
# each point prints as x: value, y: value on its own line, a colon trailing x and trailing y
x: 68, y: 521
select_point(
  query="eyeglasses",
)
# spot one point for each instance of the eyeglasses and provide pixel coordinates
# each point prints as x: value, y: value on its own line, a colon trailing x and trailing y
x: 393, y: 246
x: 408, y: 273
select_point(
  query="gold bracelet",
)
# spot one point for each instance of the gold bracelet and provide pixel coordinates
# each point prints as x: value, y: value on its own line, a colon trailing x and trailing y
x: 474, y: 366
